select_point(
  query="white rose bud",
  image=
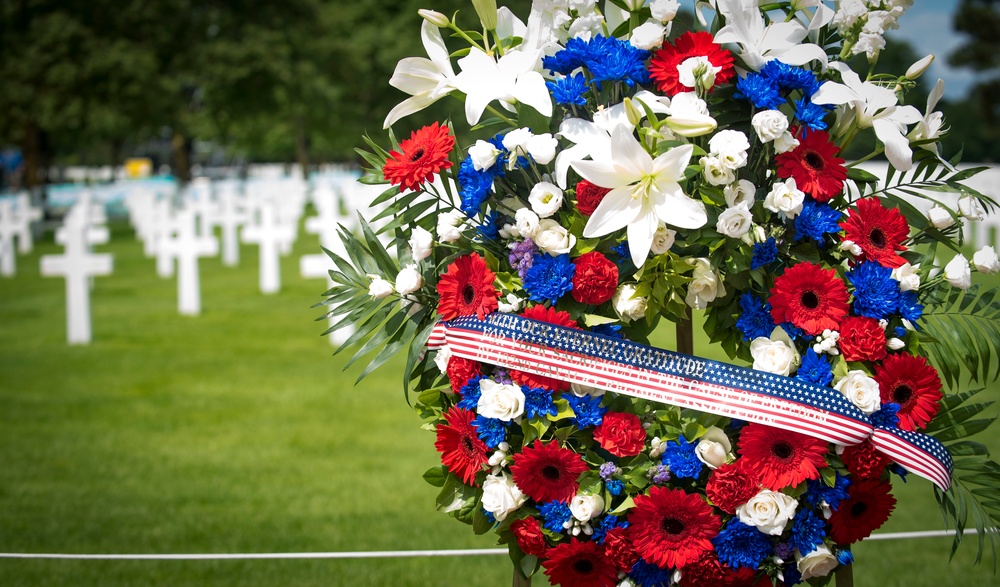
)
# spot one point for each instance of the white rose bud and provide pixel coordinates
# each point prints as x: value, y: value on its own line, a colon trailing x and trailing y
x: 917, y: 69
x: 689, y: 116
x: 664, y: 10
x: 408, y: 280
x: 768, y: 511
x: 379, y: 288
x: 695, y: 71
x: 545, y: 199
x: 501, y: 496
x: 713, y: 448
x: 516, y: 141
x: 785, y: 197
x: 894, y: 344
x: 907, y: 277
x: 740, y: 193
x: 769, y: 125
x: 500, y: 401
x: 421, y: 242
x: 542, y: 148
x: 940, y: 218
x: 957, y: 272
x: 986, y: 260
x: 817, y: 563
x: 648, y: 36
x: 629, y: 306
x: 553, y: 238
x: 705, y: 285
x: 785, y: 143
x: 448, y: 226
x: 483, y: 155
x: 773, y: 356
x: 734, y: 222
x: 526, y: 222
x: 717, y: 173
x: 663, y: 239
x: 861, y: 390
x: 970, y: 208
x: 585, y: 507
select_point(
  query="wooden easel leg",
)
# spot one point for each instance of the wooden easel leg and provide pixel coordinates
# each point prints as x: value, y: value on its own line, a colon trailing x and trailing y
x: 845, y: 576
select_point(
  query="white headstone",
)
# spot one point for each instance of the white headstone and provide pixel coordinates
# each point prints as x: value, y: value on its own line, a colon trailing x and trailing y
x: 186, y: 247
x: 268, y: 234
x: 163, y: 230
x: 232, y: 215
x: 25, y: 215
x: 8, y: 228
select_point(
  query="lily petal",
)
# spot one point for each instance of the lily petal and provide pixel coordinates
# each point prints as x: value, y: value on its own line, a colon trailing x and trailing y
x: 615, y: 211
x: 640, y: 236
x: 897, y: 147
x: 530, y: 89
x: 407, y: 107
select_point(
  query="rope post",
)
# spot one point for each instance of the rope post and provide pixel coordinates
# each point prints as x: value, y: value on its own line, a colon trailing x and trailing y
x: 845, y: 576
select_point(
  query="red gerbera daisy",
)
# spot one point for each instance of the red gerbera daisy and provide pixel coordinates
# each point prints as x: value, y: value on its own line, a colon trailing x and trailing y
x: 780, y: 457
x: 671, y: 528
x: 548, y: 472
x: 580, y: 564
x: 462, y: 452
x: 466, y: 289
x: 550, y: 316
x: 810, y: 297
x: 868, y: 505
x: 667, y: 63
x: 913, y: 384
x: 878, y: 230
x: 814, y: 165
x: 589, y: 196
x: 419, y: 157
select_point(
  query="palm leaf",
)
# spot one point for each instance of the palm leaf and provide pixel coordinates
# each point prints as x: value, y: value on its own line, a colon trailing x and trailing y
x: 965, y: 325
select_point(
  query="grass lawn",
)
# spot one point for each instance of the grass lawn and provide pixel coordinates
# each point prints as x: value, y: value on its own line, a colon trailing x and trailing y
x: 236, y: 432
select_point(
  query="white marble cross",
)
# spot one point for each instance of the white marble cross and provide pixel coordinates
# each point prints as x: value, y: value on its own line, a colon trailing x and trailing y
x: 8, y: 228
x: 186, y: 246
x: 268, y: 234
x: 25, y: 214
x: 232, y: 215
x: 163, y: 229
x: 77, y: 265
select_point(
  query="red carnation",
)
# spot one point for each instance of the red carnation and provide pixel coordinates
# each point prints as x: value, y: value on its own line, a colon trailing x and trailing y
x: 462, y: 452
x: 878, y: 230
x: 528, y: 534
x: 732, y: 485
x: 580, y: 564
x: 548, y: 472
x: 419, y: 157
x: 671, y: 528
x: 595, y: 279
x: 708, y: 571
x: 466, y: 289
x: 864, y: 461
x: 664, y: 67
x: 589, y: 196
x: 621, y: 434
x: 912, y: 383
x: 619, y: 549
x: 868, y: 505
x: 549, y: 316
x: 782, y: 458
x: 814, y: 165
x: 810, y: 297
x: 460, y: 371
x: 862, y: 339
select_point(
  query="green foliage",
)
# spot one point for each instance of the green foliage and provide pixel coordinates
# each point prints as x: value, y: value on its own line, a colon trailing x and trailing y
x: 964, y: 327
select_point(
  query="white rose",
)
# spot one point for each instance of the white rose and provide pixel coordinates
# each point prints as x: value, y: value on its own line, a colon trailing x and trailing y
x: 442, y: 357
x: 705, y: 286
x: 664, y: 10
x: 420, y: 242
x: 379, y: 288
x: 448, y: 224
x: 648, y: 36
x: 970, y: 208
x: 697, y: 70
x: 773, y: 356
x: 585, y: 507
x: 957, y: 272
x: 629, y: 306
x: 769, y: 125
x: 581, y: 390
x: 689, y: 116
x: 731, y: 146
x: 714, y: 447
x: 734, y: 222
x: 907, y: 277
x: 817, y: 563
x: 716, y: 172
x: 500, y: 401
x: 785, y: 197
x: 483, y: 154
x: 785, y: 143
x: 986, y: 260
x: 501, y: 496
x: 408, y: 280
x: 553, y: 238
x: 768, y: 511
x: 861, y: 390
x: 526, y: 222
x: 663, y: 239
x: 542, y: 148
x: 940, y: 217
x: 740, y: 193
x: 516, y: 141
x: 545, y: 199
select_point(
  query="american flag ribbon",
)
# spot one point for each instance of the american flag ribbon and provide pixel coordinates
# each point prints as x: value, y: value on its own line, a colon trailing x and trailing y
x: 636, y: 370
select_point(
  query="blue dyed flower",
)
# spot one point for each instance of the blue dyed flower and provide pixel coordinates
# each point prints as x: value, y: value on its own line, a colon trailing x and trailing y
x: 760, y: 90
x: 569, y: 90
x: 587, y: 410
x: 549, y: 278
x: 538, y: 402
x: 680, y: 456
x: 755, y: 317
x: 623, y: 252
x: 844, y: 556
x: 815, y: 221
x: 649, y: 575
x: 740, y: 545
x: 490, y: 227
x: 615, y: 487
x: 818, y: 492
x: 794, y: 332
x: 815, y: 369
x: 764, y: 253
x: 887, y: 416
x: 607, y: 523
x: 811, y: 115
x: 792, y: 575
x: 474, y: 186
x: 899, y: 331
x: 897, y: 470
x: 909, y: 309
x: 568, y: 59
x: 789, y: 77
x: 555, y: 515
x: 616, y: 60
x: 808, y: 531
x: 490, y: 430
x: 876, y: 293
x: 470, y: 393
x: 611, y: 330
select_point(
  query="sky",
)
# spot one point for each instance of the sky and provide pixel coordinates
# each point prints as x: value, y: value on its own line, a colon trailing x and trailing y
x: 928, y: 27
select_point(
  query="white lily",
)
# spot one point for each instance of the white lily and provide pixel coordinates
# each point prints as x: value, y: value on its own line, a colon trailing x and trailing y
x: 874, y: 106
x: 819, y: 18
x: 644, y: 192
x: 759, y: 43
x: 510, y: 80
x: 425, y: 80
x: 931, y: 126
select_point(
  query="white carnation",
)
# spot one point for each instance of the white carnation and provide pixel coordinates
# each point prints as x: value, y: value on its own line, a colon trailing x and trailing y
x: 785, y: 197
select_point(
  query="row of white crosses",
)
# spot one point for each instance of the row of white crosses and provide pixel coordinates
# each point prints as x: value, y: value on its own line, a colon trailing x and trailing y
x: 16, y: 217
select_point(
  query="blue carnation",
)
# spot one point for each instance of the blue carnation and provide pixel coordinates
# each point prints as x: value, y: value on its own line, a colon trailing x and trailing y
x: 818, y: 492
x: 909, y: 308
x: 760, y: 90
x: 615, y: 487
x: 470, y: 393
x: 555, y: 515
x: 611, y: 330
x: 876, y: 293
x: 616, y: 60
x: 680, y: 456
x: 844, y: 556
x: 811, y: 115
x: 887, y: 416
x: 740, y: 545
x: 587, y: 410
x: 568, y: 59
x: 815, y: 369
x: 490, y: 430
x: 788, y: 77
x: 650, y: 575
x: 474, y: 186
x: 538, y: 402
x: 755, y: 317
x: 607, y: 523
x: 623, y: 252
x: 764, y: 253
x: 899, y: 331
x: 896, y: 469
x: 808, y: 531
x: 792, y: 575
x: 815, y: 221
x: 569, y: 90
x: 490, y: 227
x: 794, y: 332
x: 549, y: 278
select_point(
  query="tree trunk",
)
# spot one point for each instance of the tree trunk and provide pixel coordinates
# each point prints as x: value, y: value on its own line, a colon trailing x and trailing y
x: 302, y: 146
x: 180, y: 146
x: 31, y: 145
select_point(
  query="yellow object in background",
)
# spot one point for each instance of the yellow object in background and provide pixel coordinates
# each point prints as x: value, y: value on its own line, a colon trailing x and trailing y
x: 138, y: 167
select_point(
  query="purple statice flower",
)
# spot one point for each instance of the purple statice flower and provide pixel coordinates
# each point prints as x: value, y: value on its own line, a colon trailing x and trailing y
x: 522, y: 256
x: 502, y: 376
x: 661, y: 474
x: 607, y: 470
